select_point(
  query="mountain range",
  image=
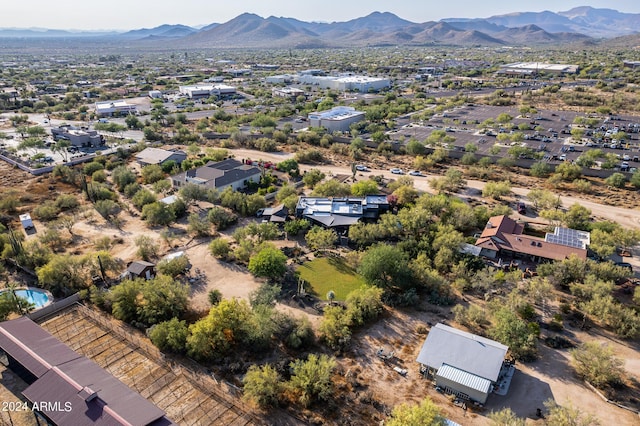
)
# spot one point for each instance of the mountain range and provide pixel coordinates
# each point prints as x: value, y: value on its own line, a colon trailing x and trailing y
x: 578, y: 25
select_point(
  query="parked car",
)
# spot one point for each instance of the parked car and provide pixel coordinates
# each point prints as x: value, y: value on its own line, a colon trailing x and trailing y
x: 396, y: 171
x: 522, y: 208
x: 416, y: 173
x: 362, y: 168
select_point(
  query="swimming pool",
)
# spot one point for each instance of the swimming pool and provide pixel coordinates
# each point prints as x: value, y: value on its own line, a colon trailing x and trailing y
x: 39, y: 298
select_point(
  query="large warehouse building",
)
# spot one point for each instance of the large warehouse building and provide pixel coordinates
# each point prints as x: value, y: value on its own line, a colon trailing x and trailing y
x: 523, y: 69
x: 336, y: 119
x: 462, y: 363
x: 360, y: 83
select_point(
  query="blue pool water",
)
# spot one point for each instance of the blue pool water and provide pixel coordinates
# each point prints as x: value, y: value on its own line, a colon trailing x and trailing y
x: 39, y: 298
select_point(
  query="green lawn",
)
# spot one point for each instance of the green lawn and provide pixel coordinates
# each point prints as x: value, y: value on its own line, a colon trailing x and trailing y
x: 328, y: 273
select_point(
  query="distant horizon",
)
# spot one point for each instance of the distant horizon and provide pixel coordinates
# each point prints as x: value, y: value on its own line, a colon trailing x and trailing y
x: 122, y: 16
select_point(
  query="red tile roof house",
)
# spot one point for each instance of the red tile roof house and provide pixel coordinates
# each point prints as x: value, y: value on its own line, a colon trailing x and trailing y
x: 504, y: 236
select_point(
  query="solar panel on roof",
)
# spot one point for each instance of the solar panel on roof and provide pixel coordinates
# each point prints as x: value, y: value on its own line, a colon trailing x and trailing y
x: 568, y: 237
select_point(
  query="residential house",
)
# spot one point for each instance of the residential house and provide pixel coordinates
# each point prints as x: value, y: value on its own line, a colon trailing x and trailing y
x: 462, y: 363
x: 276, y: 214
x: 158, y: 156
x: 341, y: 212
x: 504, y: 236
x: 66, y: 388
x: 227, y: 173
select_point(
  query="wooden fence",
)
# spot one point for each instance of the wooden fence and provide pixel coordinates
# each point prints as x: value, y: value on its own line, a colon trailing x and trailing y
x: 201, y: 378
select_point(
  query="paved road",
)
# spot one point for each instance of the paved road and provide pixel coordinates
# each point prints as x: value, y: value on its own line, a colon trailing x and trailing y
x: 628, y: 218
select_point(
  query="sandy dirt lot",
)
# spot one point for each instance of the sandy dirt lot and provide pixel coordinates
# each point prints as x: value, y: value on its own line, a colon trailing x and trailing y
x: 230, y: 279
x: 207, y: 273
x: 550, y: 377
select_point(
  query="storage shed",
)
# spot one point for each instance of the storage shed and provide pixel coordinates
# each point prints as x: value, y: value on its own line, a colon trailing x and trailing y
x: 462, y: 363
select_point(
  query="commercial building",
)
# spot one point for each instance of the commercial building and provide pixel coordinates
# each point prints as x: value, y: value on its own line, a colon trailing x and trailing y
x: 504, y: 236
x: 362, y: 84
x: 524, y: 69
x: 238, y: 72
x: 341, y: 212
x: 200, y: 91
x: 77, y: 136
x: 227, y: 173
x: 462, y: 363
x: 336, y: 119
x: 287, y: 92
x: 279, y: 79
x: 158, y: 156
x: 110, y: 108
x: 66, y: 388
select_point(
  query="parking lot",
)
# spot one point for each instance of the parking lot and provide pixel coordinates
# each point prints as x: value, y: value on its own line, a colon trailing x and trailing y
x: 545, y: 131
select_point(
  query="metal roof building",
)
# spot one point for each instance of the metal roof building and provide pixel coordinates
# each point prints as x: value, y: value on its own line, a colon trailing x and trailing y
x: 158, y: 156
x: 336, y: 119
x: 465, y: 364
x: 68, y: 388
x: 341, y: 212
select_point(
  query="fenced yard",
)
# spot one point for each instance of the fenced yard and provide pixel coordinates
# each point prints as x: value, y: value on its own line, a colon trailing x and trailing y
x: 187, y: 395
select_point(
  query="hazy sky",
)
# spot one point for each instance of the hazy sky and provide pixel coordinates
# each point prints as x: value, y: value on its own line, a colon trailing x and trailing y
x: 134, y: 14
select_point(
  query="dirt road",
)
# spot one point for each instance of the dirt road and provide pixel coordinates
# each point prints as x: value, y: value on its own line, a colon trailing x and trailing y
x: 628, y: 218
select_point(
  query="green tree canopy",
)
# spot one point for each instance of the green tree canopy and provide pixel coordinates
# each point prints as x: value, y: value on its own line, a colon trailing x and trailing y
x: 170, y: 335
x: 261, y: 385
x: 311, y: 379
x: 596, y: 363
x: 386, y: 266
x: 149, y: 302
x: 426, y: 413
x: 224, y: 327
x: 514, y: 332
x: 268, y: 262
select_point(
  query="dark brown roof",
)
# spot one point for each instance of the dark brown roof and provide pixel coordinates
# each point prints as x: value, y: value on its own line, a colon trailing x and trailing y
x: 220, y: 174
x: 62, y: 375
x: 138, y: 267
x: 34, y: 347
